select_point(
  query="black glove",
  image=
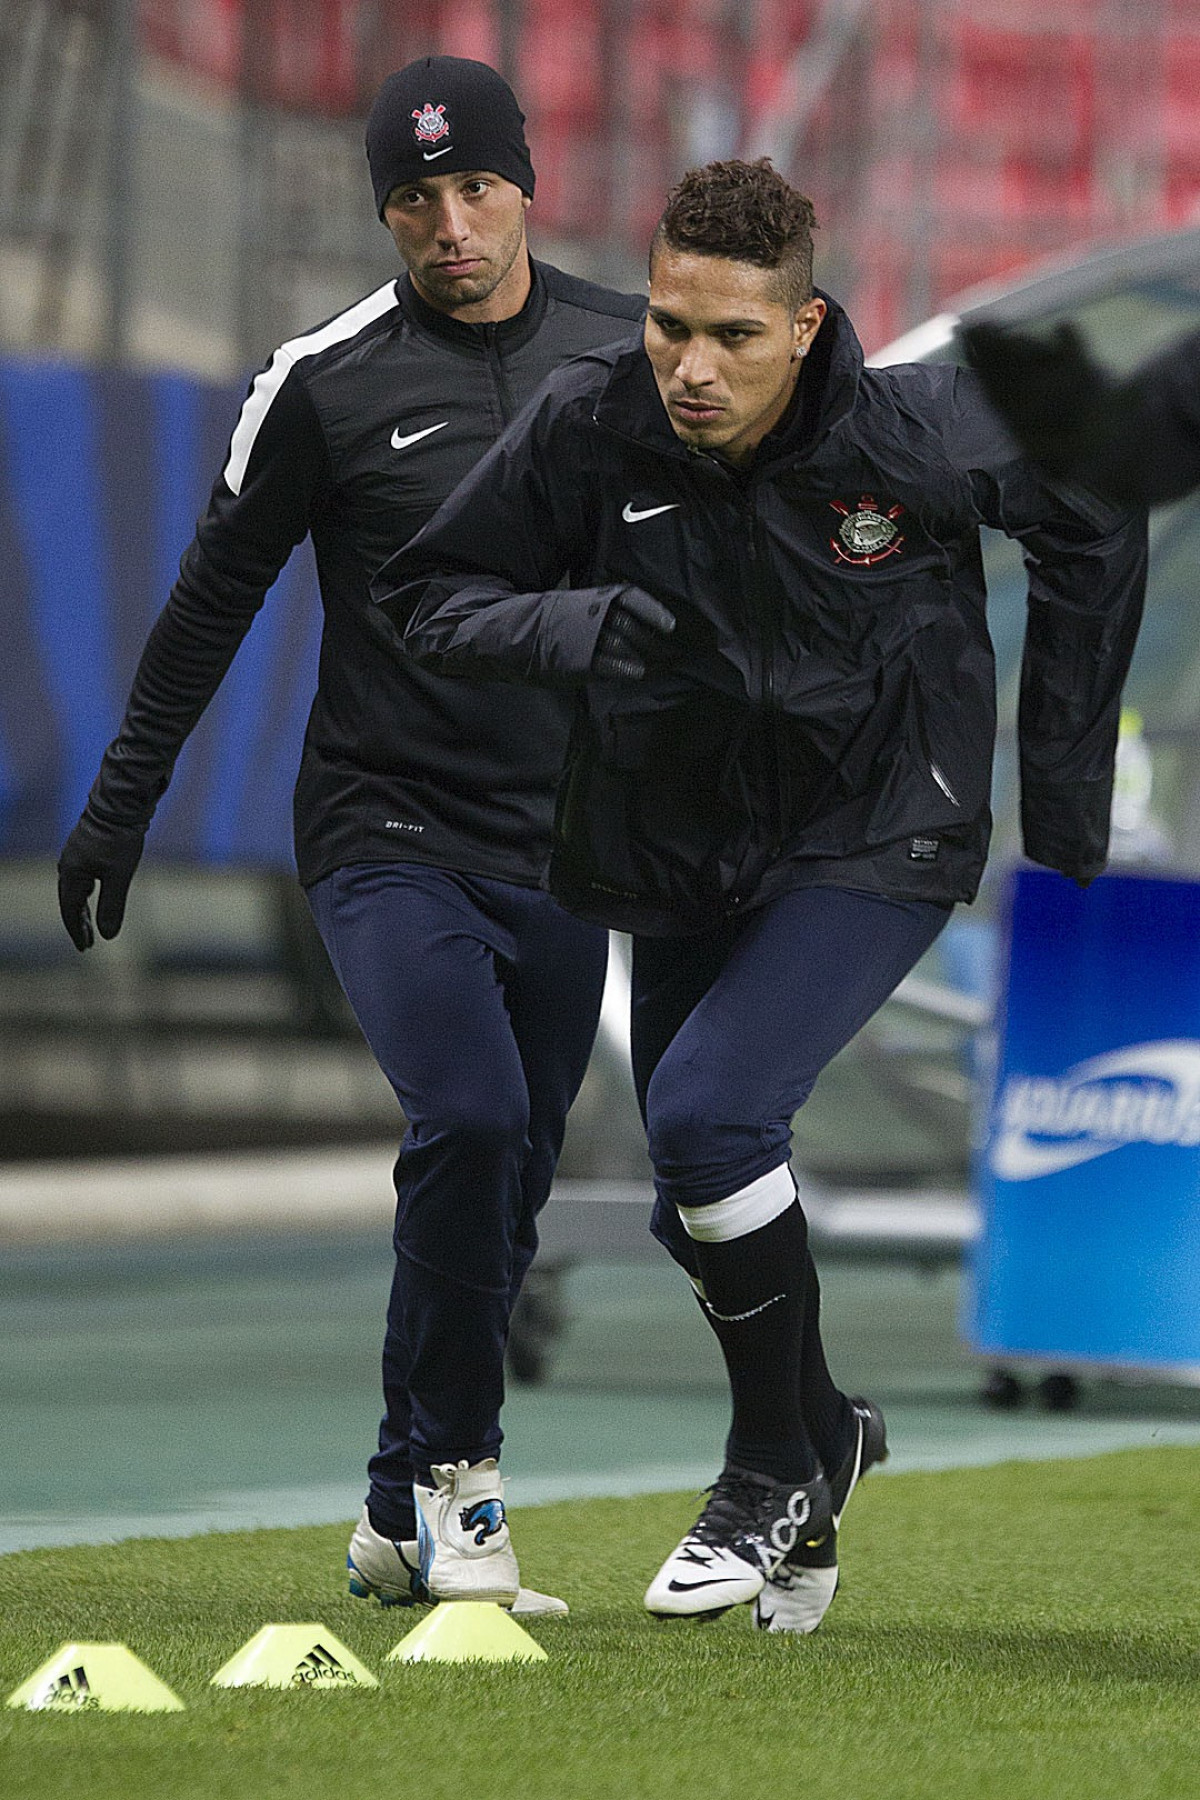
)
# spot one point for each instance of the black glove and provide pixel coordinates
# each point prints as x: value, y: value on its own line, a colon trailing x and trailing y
x: 93, y: 853
x: 1052, y: 394
x: 632, y: 635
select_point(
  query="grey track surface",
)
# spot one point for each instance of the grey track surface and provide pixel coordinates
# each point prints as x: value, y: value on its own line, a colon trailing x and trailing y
x: 217, y: 1385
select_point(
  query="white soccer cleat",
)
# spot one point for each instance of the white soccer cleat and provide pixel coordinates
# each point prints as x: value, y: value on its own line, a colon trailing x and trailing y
x: 464, y: 1549
x: 800, y: 1592
x: 389, y: 1570
x: 749, y: 1525
x: 381, y: 1566
x: 529, y: 1604
x: 796, y: 1599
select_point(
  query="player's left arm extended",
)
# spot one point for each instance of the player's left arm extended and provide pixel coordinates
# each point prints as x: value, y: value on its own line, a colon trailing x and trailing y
x: 483, y: 589
x: 1086, y: 561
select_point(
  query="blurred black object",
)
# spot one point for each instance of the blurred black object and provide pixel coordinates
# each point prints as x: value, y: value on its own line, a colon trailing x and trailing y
x: 1138, y: 440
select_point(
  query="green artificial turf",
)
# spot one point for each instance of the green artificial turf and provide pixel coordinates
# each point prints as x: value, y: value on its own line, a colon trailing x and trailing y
x: 1027, y: 1631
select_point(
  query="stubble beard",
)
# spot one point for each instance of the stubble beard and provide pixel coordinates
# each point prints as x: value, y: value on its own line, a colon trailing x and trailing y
x: 450, y: 293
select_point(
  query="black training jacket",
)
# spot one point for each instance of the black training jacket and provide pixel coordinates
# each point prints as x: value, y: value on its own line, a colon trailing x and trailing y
x: 356, y: 432
x: 825, y: 711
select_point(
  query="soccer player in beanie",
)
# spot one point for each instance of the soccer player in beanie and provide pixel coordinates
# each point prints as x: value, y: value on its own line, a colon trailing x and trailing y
x: 759, y: 562
x: 423, y: 807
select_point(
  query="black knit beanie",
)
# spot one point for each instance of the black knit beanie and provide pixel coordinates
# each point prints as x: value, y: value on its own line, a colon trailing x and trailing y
x: 442, y: 114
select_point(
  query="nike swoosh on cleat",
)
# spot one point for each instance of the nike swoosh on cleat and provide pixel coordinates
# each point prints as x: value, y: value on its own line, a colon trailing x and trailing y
x: 690, y: 1587
x: 432, y: 155
x: 414, y: 437
x: 855, y: 1472
x: 650, y: 512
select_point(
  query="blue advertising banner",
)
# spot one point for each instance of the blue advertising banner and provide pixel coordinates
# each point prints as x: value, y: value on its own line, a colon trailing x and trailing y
x: 1090, y: 1180
x: 102, y: 476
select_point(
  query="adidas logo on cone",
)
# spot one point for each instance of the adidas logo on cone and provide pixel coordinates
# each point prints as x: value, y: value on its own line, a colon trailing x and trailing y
x: 294, y: 1656
x: 319, y: 1665
x: 95, y: 1678
x: 71, y: 1689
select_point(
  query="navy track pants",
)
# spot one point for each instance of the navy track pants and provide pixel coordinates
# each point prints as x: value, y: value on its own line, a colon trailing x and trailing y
x: 731, y: 1028
x: 479, y: 1000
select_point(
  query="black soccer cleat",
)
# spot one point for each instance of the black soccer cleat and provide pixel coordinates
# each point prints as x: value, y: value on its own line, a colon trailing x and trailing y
x: 748, y: 1527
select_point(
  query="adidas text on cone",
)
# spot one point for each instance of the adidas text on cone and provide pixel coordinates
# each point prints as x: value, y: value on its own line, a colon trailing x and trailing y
x: 294, y: 1657
x: 95, y: 1678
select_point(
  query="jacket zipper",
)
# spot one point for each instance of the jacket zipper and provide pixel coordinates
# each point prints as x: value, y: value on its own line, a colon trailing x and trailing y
x: 763, y: 624
x: 759, y: 609
x: 761, y: 612
x: 768, y: 638
x: 499, y: 378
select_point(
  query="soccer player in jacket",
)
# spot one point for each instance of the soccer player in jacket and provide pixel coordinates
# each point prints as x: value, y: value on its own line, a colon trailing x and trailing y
x: 423, y: 807
x: 758, y: 562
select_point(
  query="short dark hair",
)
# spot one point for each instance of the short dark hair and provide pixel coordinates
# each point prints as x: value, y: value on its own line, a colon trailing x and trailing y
x: 747, y: 212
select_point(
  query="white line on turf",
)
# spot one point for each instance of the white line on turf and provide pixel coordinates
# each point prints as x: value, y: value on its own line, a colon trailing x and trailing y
x: 1041, y: 1440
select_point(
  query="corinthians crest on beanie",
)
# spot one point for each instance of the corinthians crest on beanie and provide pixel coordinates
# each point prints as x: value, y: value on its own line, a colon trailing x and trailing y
x: 440, y: 115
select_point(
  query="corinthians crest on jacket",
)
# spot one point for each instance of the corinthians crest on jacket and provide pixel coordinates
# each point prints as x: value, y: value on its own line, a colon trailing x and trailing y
x: 866, y: 534
x: 432, y: 123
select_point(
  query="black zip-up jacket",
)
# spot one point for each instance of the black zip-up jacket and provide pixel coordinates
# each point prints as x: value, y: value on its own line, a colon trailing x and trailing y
x: 825, y: 711
x: 356, y: 431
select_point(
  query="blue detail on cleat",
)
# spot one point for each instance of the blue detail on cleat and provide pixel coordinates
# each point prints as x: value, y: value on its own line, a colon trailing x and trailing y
x: 483, y: 1520
x: 382, y: 1568
x: 425, y: 1548
x: 361, y: 1589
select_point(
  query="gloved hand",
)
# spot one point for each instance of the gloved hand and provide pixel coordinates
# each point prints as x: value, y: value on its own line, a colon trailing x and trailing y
x: 634, y: 632
x: 1050, y: 391
x: 94, y: 852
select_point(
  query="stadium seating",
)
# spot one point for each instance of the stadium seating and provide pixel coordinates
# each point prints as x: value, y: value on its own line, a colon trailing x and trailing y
x: 955, y: 143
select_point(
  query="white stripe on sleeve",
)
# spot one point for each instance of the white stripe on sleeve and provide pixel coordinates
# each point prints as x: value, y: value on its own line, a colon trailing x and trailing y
x: 269, y: 381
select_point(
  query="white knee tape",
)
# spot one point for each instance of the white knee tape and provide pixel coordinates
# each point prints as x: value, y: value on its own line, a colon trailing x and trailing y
x: 748, y: 1210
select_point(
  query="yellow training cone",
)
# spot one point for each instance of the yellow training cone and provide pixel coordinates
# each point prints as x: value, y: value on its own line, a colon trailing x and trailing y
x: 467, y: 1631
x: 95, y: 1678
x: 294, y: 1656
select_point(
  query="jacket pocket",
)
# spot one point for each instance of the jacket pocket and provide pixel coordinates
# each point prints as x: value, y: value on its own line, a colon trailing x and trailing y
x: 645, y: 807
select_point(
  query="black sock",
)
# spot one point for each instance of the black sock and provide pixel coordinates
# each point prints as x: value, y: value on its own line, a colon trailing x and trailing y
x: 827, y: 1412
x: 401, y: 1527
x: 754, y: 1294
